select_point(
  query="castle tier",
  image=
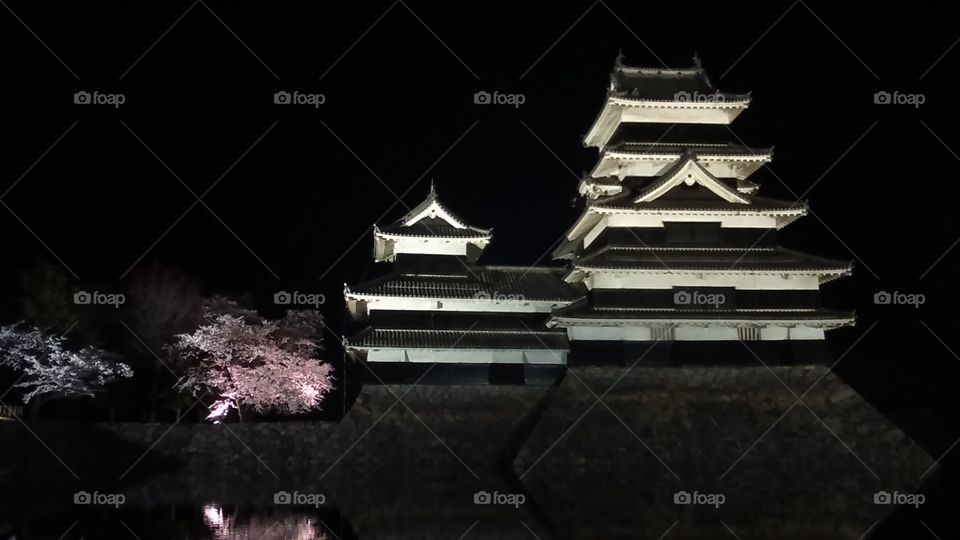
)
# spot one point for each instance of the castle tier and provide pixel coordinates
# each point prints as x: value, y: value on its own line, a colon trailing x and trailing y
x: 674, y: 244
x: 439, y: 316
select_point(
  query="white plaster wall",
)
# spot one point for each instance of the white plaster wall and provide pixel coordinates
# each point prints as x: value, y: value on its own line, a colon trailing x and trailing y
x: 609, y: 333
x: 677, y: 116
x: 805, y: 332
x: 689, y: 333
x: 708, y: 333
x: 774, y: 333
x: 429, y: 246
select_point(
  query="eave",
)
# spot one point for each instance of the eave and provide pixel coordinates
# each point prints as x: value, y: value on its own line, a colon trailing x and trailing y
x: 482, y: 236
x: 577, y: 272
x: 827, y: 323
x: 612, y: 113
x: 593, y: 214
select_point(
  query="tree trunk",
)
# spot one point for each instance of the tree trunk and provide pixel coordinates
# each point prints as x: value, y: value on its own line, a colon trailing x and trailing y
x: 154, y: 386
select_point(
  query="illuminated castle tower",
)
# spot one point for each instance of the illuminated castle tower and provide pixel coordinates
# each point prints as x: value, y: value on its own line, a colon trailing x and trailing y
x: 674, y: 244
x: 441, y: 315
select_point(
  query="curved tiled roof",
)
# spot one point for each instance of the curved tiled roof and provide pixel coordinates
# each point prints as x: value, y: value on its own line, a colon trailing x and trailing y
x: 533, y: 284
x: 458, y: 339
x: 766, y: 204
x: 417, y: 222
x: 664, y: 84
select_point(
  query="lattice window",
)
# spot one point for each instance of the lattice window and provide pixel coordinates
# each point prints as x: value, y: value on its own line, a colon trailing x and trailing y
x: 662, y: 333
x: 748, y: 333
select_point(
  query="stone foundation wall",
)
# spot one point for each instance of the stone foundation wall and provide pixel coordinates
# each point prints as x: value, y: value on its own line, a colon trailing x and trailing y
x: 785, y: 469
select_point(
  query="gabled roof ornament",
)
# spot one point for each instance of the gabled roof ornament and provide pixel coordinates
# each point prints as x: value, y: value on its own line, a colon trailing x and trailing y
x: 698, y: 65
x: 432, y: 208
x: 617, y: 68
x: 689, y: 171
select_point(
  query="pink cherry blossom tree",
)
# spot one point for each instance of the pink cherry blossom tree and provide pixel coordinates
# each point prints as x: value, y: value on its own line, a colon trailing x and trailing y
x: 250, y: 363
x: 49, y: 369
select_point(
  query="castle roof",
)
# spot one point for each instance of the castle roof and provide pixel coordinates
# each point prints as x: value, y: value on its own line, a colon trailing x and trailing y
x: 481, y: 282
x: 432, y: 218
x: 445, y: 340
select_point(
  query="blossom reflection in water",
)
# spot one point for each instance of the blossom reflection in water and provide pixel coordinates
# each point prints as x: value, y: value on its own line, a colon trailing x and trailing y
x: 258, y: 526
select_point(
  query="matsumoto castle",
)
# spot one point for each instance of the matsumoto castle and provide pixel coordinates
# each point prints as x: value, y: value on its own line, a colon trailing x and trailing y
x: 674, y: 260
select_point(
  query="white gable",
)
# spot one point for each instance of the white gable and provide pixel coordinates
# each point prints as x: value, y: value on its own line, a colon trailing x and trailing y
x: 431, y: 208
x: 689, y: 172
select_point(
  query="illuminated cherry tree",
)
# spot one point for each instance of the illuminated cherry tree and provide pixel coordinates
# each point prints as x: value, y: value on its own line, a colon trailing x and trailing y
x: 51, y: 370
x: 254, y: 364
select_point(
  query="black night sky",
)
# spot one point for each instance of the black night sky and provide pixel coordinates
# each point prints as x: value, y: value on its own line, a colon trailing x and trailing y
x: 289, y: 193
x: 294, y: 190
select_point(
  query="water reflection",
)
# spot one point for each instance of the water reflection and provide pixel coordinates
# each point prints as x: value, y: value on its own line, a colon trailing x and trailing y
x: 211, y: 521
x: 224, y: 526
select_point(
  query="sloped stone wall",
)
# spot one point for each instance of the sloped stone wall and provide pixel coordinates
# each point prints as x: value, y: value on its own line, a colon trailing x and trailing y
x: 418, y: 465
x: 784, y: 471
